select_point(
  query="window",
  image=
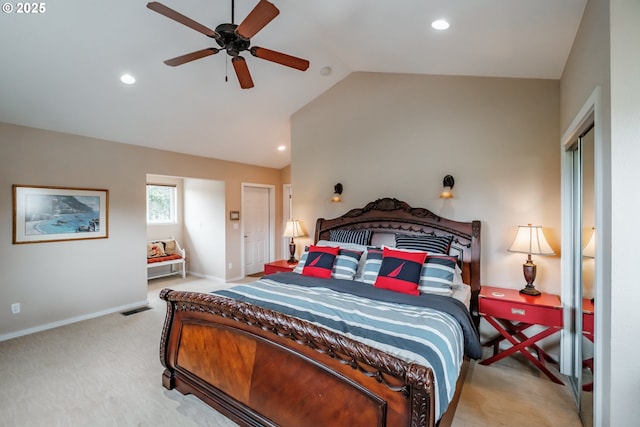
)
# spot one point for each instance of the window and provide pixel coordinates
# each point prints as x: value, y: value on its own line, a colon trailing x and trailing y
x: 161, y: 204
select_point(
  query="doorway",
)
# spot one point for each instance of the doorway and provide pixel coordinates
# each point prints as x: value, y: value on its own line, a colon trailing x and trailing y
x: 258, y: 227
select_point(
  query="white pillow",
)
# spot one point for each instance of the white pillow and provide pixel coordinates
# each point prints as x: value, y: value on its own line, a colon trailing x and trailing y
x: 457, y: 277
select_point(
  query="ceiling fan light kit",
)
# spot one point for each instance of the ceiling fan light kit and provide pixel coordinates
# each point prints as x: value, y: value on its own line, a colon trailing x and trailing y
x: 234, y: 39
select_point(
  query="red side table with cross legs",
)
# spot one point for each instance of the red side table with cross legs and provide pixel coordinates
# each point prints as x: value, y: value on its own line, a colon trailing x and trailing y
x: 511, y: 314
x: 587, y: 331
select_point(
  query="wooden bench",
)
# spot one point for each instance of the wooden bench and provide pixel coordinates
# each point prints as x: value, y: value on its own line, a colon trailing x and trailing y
x: 165, y: 252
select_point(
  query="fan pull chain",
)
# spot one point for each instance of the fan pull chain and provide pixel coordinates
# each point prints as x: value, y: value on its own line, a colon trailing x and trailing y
x: 226, y: 61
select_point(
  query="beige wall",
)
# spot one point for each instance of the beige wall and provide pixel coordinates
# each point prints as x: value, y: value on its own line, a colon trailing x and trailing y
x: 64, y: 281
x: 204, y: 227
x: 285, y: 175
x: 625, y: 205
x: 497, y: 137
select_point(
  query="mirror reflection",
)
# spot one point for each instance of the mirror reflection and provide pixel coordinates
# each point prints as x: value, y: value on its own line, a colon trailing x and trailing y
x: 589, y: 252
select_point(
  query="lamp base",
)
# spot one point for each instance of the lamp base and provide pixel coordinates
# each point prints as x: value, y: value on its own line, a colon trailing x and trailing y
x: 530, y: 290
x: 529, y: 270
x: 292, y: 252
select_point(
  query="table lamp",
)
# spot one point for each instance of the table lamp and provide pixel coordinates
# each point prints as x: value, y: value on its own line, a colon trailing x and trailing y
x: 589, y: 250
x: 531, y: 241
x: 293, y: 229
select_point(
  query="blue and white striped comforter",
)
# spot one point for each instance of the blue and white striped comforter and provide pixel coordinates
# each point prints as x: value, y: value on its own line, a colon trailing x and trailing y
x: 411, y: 328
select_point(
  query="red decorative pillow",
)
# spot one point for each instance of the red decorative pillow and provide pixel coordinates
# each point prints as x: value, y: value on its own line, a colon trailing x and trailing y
x: 320, y: 261
x: 400, y: 271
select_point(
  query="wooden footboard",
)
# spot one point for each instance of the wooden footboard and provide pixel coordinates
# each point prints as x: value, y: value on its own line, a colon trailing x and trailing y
x: 263, y: 368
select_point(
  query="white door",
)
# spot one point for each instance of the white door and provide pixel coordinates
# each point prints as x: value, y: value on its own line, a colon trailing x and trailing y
x: 287, y: 213
x: 256, y: 229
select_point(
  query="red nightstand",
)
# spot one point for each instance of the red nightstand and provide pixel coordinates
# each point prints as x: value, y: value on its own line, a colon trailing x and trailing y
x: 511, y: 313
x: 279, y: 266
x: 587, y: 331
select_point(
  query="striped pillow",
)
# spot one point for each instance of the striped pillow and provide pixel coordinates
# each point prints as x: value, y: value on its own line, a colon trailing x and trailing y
x: 345, y: 266
x: 360, y: 237
x: 437, y: 275
x: 300, y: 266
x: 432, y: 244
x: 372, y: 265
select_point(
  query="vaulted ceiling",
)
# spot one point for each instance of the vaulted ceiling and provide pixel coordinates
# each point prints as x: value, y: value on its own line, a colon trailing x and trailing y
x: 61, y: 68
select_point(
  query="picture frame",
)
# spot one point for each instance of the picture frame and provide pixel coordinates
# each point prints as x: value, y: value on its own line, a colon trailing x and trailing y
x: 234, y: 215
x: 54, y: 214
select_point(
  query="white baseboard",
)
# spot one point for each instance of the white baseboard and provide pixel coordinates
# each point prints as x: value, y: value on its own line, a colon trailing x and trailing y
x: 52, y: 325
x: 208, y: 277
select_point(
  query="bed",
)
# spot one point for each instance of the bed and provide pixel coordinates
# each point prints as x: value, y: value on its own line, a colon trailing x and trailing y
x: 263, y: 361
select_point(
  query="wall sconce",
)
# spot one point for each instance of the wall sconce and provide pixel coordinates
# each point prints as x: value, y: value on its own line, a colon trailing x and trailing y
x: 530, y: 240
x: 447, y: 186
x: 337, y: 191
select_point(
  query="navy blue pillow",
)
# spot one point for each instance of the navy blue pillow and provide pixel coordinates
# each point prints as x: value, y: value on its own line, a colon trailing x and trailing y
x: 319, y: 262
x: 400, y: 271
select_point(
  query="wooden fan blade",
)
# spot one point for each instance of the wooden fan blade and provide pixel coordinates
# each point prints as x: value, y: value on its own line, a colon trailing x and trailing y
x: 183, y: 59
x: 242, y: 71
x: 177, y: 16
x: 261, y: 15
x: 280, y: 58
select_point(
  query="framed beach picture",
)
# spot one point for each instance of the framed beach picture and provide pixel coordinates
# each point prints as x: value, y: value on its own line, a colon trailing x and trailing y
x: 53, y: 214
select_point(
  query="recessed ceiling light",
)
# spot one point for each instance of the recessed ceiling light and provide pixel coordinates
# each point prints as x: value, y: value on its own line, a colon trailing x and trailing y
x: 326, y: 71
x: 127, y: 79
x: 281, y: 148
x: 440, y: 24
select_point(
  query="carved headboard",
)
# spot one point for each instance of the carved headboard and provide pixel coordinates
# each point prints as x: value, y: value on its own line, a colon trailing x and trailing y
x: 388, y: 216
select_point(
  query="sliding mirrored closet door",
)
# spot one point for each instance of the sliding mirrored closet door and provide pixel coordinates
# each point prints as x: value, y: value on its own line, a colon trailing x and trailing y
x: 582, y: 249
x: 589, y: 243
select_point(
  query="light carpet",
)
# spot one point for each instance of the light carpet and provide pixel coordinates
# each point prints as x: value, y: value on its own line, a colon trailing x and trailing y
x: 107, y: 372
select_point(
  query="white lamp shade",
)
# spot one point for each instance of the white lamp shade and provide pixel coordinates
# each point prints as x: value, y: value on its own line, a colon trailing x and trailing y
x: 530, y: 240
x: 589, y: 250
x: 294, y: 228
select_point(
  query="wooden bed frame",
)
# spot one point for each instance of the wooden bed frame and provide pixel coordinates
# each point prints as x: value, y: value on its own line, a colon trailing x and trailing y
x: 263, y: 368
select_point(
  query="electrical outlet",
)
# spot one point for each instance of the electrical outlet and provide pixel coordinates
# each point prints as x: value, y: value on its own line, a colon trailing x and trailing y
x: 15, y: 308
x: 230, y: 266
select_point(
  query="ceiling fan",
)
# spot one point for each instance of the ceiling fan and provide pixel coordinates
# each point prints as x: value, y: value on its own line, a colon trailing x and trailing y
x: 234, y: 39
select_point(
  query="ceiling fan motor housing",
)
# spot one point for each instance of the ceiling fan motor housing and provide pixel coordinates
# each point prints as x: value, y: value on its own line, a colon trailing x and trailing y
x: 230, y: 40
